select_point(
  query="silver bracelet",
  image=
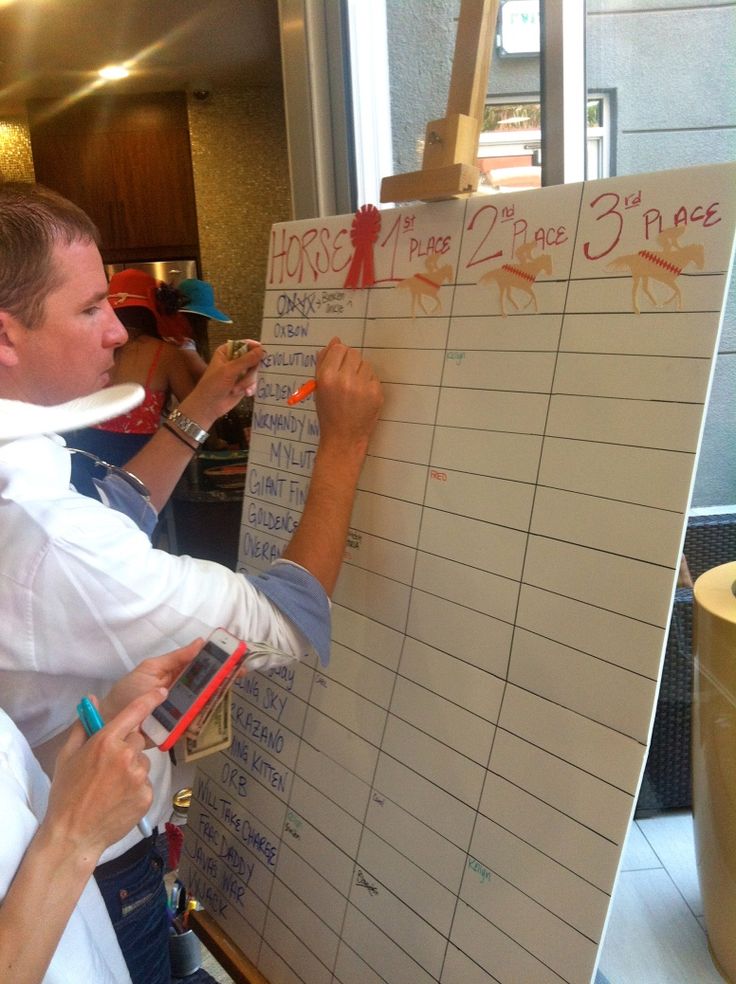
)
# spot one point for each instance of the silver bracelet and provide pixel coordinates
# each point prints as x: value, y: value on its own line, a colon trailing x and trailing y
x: 188, y: 427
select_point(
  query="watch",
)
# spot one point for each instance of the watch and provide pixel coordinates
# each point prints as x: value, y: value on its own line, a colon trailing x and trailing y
x: 188, y: 427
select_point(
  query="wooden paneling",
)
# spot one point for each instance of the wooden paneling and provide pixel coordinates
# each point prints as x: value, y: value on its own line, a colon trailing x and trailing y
x: 127, y: 162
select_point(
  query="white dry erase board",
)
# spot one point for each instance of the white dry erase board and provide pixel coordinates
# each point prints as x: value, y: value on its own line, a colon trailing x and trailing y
x: 447, y: 800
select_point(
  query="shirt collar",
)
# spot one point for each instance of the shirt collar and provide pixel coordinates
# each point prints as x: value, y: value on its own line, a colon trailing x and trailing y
x: 37, y: 467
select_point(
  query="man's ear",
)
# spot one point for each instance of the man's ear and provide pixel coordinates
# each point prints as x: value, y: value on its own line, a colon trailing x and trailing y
x: 8, y: 329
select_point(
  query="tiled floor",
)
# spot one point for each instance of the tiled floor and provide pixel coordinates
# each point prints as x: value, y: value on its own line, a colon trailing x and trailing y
x: 212, y: 967
x: 655, y: 933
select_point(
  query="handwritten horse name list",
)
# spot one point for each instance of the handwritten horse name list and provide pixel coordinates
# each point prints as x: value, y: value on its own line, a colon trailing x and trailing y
x: 446, y: 801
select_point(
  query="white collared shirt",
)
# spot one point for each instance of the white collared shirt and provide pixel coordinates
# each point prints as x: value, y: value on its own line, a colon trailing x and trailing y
x: 84, y: 598
x: 88, y: 949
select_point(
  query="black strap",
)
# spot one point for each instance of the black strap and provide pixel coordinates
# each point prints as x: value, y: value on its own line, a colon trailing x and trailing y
x: 124, y: 861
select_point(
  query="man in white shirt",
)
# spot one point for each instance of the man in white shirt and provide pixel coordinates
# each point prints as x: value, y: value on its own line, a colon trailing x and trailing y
x: 83, y: 595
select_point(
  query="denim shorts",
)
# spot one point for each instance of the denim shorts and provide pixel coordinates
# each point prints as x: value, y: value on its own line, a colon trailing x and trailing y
x: 136, y: 902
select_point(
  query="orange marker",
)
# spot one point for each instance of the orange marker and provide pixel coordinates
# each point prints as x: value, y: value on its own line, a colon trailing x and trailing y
x: 302, y: 393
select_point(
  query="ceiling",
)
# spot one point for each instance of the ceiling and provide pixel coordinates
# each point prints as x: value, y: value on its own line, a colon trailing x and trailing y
x: 53, y: 48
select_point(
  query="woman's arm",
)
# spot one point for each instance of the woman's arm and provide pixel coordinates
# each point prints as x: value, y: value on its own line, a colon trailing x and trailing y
x: 100, y: 791
x: 162, y: 461
x: 181, y: 378
x: 194, y: 360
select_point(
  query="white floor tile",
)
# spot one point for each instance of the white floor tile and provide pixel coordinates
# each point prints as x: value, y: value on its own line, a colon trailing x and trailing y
x: 212, y: 967
x: 652, y: 936
x: 670, y: 836
x: 637, y: 853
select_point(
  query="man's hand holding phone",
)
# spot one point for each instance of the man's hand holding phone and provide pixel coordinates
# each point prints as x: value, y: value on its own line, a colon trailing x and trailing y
x: 156, y: 671
x: 200, y: 680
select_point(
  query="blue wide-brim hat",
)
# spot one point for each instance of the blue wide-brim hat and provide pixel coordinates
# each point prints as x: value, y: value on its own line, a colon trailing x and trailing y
x: 200, y: 299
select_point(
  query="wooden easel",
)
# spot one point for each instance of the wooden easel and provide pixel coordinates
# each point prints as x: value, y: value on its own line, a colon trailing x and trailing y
x: 451, y: 144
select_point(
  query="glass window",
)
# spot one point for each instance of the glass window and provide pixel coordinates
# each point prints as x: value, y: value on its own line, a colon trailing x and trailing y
x: 510, y: 150
x: 400, y: 86
x: 668, y: 68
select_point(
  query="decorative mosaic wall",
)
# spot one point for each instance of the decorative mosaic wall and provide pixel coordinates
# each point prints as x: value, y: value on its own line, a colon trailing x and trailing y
x: 241, y: 179
x: 16, y: 162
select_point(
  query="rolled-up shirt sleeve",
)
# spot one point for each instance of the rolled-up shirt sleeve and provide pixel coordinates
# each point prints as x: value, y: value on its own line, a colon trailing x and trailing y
x: 299, y: 596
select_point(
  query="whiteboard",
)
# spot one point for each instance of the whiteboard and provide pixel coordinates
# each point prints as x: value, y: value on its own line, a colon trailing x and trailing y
x: 448, y: 799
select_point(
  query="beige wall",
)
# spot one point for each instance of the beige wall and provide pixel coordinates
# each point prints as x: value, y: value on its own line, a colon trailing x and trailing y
x: 241, y: 181
x: 16, y: 162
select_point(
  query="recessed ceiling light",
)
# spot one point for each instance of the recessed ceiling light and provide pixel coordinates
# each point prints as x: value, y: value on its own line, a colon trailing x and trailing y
x: 113, y: 72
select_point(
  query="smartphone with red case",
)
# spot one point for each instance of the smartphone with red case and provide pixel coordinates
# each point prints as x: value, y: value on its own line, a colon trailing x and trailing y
x: 205, y: 678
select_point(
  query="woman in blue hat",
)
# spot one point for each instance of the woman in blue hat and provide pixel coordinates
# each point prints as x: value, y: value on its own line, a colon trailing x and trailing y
x: 199, y: 308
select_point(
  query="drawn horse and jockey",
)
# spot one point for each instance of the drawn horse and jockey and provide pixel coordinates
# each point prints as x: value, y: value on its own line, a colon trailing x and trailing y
x: 426, y: 286
x: 663, y: 266
x: 519, y: 276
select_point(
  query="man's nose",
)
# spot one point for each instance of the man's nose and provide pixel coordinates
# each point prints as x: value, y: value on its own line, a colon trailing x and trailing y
x: 116, y: 332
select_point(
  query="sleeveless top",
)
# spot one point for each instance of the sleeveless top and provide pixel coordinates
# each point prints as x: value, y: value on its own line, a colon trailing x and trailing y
x: 146, y: 418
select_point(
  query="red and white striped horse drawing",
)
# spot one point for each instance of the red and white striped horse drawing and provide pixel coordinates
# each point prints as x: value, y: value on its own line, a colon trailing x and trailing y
x: 427, y: 285
x: 519, y: 277
x: 664, y: 266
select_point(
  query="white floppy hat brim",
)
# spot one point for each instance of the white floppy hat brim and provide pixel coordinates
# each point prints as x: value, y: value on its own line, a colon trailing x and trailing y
x: 19, y: 419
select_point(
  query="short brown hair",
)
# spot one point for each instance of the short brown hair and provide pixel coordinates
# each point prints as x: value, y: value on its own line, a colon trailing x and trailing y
x: 33, y: 219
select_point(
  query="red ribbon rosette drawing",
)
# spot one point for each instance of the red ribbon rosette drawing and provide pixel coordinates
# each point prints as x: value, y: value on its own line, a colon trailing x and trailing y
x: 363, y: 234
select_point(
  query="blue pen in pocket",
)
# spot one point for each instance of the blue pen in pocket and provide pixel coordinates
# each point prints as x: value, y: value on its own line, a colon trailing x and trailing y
x: 90, y: 718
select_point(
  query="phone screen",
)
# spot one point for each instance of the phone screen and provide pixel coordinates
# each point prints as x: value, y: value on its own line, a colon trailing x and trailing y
x: 190, y: 685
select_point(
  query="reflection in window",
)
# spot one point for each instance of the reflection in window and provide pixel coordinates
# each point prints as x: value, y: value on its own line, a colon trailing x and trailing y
x: 509, y: 155
x: 510, y: 151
